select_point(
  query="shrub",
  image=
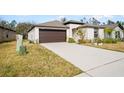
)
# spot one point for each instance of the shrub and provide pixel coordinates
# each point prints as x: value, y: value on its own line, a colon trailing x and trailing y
x: 87, y: 41
x: 31, y: 41
x: 81, y: 41
x: 114, y: 41
x: 122, y: 39
x: 23, y: 50
x: 71, y: 40
x: 98, y: 40
x: 109, y: 40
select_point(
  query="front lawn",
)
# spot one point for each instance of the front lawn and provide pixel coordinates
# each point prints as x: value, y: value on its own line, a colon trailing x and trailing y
x: 119, y: 46
x: 38, y: 62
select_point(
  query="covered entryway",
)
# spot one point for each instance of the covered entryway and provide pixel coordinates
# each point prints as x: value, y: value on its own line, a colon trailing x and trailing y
x: 52, y: 35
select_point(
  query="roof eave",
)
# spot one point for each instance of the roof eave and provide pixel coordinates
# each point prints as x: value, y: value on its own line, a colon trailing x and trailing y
x: 46, y: 26
x: 7, y: 28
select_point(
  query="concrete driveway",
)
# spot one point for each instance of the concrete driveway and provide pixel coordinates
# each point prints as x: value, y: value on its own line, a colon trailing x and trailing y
x: 93, y: 61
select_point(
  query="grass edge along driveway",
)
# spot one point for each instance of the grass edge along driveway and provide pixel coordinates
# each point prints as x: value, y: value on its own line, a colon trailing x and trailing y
x: 119, y: 46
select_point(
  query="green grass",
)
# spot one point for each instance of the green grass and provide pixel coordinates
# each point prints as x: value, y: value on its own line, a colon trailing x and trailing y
x: 38, y: 62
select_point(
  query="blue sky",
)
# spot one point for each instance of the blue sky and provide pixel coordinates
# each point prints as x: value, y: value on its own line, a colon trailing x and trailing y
x: 44, y: 18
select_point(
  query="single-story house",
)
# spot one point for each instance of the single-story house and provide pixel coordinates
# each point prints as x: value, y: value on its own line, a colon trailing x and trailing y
x: 53, y: 31
x: 117, y: 32
x: 57, y: 31
x: 7, y: 34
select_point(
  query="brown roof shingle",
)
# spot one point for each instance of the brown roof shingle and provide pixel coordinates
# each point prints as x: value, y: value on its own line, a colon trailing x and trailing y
x: 54, y: 23
x: 91, y: 26
x: 7, y: 28
x: 112, y: 26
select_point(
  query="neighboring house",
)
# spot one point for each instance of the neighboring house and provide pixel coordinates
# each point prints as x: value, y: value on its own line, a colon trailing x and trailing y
x: 117, y: 32
x: 7, y: 34
x: 53, y: 31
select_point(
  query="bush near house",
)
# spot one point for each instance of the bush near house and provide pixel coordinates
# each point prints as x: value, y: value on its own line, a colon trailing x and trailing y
x: 109, y: 40
x: 71, y: 40
x: 81, y: 41
x: 98, y: 40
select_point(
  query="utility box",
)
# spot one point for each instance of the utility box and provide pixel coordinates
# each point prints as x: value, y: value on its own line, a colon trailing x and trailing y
x: 19, y: 42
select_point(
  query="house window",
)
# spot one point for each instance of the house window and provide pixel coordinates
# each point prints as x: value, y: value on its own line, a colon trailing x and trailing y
x: 96, y: 33
x: 117, y: 35
x: 7, y: 35
x: 73, y: 32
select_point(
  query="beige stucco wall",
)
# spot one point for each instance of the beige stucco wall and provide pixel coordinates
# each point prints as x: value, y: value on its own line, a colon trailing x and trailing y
x: 33, y: 35
x: 7, y: 35
x: 69, y: 33
x: 101, y: 33
x: 89, y: 33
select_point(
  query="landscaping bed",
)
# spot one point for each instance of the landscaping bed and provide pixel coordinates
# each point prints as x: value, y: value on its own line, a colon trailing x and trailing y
x: 39, y: 61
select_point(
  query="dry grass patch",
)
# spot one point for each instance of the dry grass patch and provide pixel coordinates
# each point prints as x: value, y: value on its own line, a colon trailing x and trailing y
x: 38, y: 62
x: 115, y: 47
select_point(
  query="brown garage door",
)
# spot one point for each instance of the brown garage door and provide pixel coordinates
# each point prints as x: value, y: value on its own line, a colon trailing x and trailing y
x: 48, y: 35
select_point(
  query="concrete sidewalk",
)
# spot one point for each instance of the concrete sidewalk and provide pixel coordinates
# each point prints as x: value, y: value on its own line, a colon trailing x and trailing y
x: 94, y: 61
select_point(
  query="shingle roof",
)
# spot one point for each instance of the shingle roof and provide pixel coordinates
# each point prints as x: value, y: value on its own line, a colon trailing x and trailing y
x: 112, y: 26
x: 92, y: 26
x: 73, y: 22
x: 7, y: 28
x: 54, y: 23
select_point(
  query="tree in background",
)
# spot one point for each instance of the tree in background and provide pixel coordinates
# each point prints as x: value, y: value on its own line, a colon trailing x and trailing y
x: 12, y: 24
x: 110, y: 22
x: 63, y: 19
x: 94, y: 21
x: 83, y: 20
x: 22, y: 28
x: 6, y: 24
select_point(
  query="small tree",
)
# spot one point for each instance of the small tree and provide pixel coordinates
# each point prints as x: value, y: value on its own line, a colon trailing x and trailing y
x: 22, y: 28
x: 108, y: 31
x: 80, y: 33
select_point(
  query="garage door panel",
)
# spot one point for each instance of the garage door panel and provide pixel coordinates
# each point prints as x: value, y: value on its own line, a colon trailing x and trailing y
x: 52, y: 36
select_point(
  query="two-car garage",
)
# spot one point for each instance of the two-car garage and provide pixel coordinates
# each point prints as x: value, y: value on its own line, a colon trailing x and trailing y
x: 49, y: 35
x: 53, y: 31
